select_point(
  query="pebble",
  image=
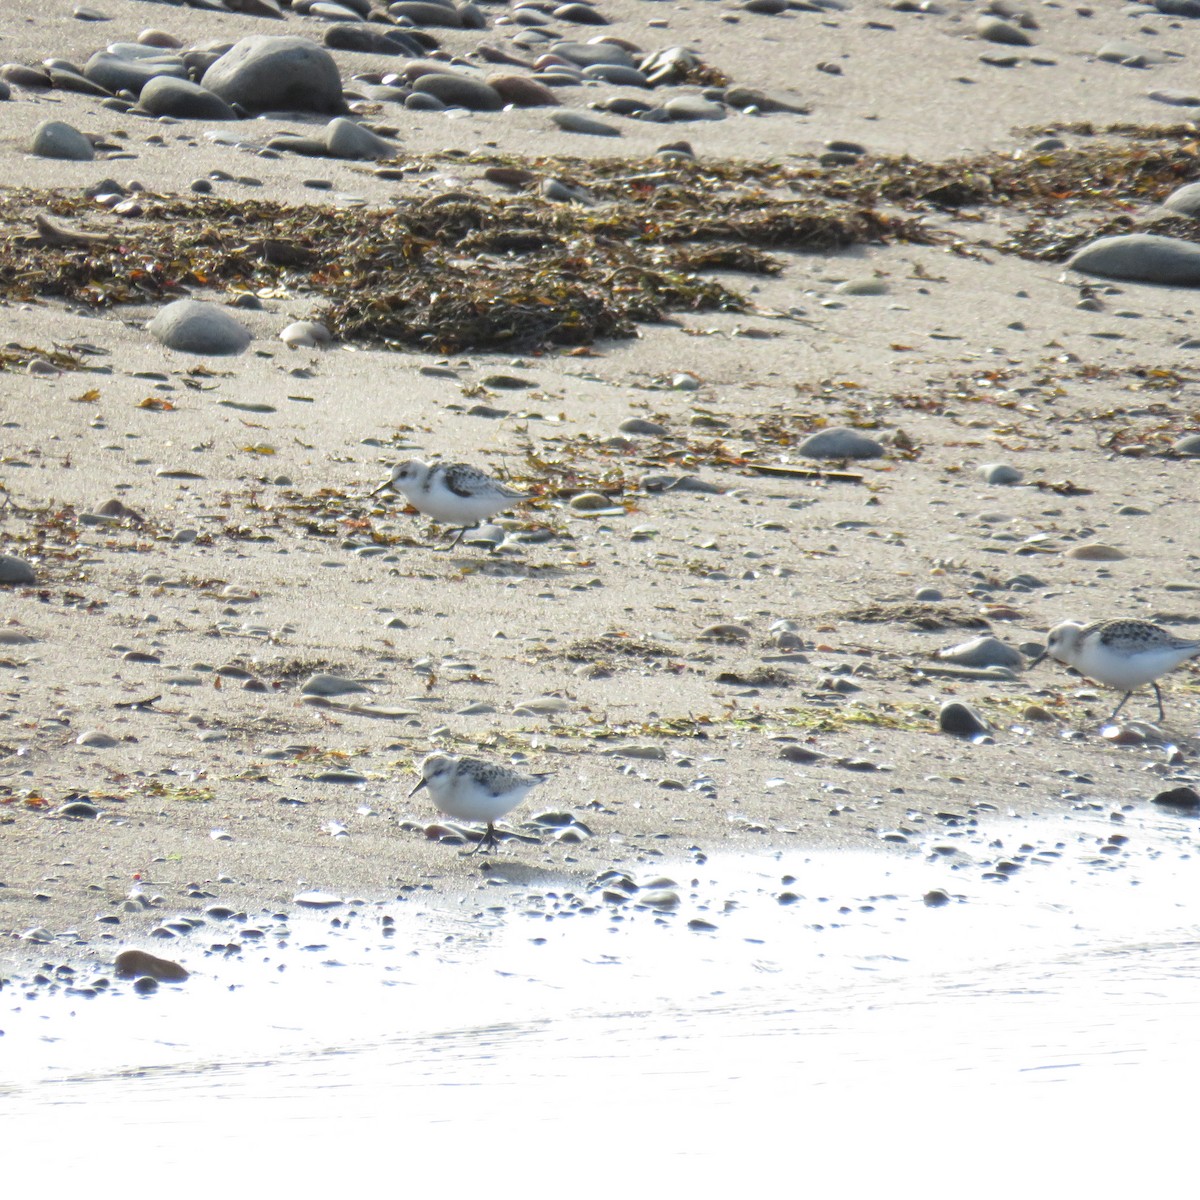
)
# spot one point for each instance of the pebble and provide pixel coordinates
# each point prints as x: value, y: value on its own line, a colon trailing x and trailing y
x: 97, y: 740
x: 1170, y: 96
x: 80, y: 809
x: 739, y: 96
x: 572, y: 121
x: 983, y: 651
x: 862, y: 287
x: 1188, y: 445
x: 694, y: 108
x: 1185, y: 199
x: 642, y: 427
x: 460, y: 91
x: 131, y: 964
x: 166, y: 96
x: 1181, y: 797
x: 15, y: 571
x: 956, y: 718
x: 1096, y: 552
x: 265, y: 74
x: 1140, y: 258
x: 57, y: 139
x: 322, y: 684
x: 1129, y: 53
x: 840, y: 442
x: 308, y: 334
x: 197, y: 327
x: 999, y: 474
x: 993, y: 29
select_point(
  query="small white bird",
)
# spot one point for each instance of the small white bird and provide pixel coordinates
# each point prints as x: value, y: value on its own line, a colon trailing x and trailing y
x: 455, y: 494
x: 1120, y: 654
x: 474, y: 789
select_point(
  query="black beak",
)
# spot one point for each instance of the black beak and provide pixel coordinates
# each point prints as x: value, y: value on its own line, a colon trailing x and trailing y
x: 417, y: 788
x: 387, y: 483
x: 1038, y: 659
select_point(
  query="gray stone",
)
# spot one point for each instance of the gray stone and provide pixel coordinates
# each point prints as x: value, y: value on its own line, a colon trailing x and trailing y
x: 1179, y: 99
x: 68, y: 79
x: 423, y: 102
x: 57, y: 139
x: 1189, y: 445
x: 586, y: 54
x: 1140, y: 258
x: 421, y: 12
x: 15, y: 570
x: 131, y: 72
x: 195, y: 327
x: 1121, y: 51
x: 993, y: 29
x: 768, y: 102
x: 263, y: 74
x: 999, y: 474
x: 366, y: 39
x: 580, y: 14
x: 958, y: 719
x: 344, y: 138
x: 573, y: 121
x: 983, y: 652
x: 165, y: 96
x: 840, y: 442
x: 306, y: 334
x: 1178, y: 8
x: 1185, y: 200
x: 694, y: 108
x: 616, y: 73
x: 522, y: 91
x: 322, y: 684
x: 459, y: 91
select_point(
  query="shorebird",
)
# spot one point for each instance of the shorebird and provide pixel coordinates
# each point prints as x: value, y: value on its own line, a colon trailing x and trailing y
x: 454, y: 494
x: 1120, y: 654
x: 474, y: 789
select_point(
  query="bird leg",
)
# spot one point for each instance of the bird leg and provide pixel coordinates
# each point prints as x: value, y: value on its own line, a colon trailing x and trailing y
x: 1113, y: 715
x: 487, y: 842
x: 1158, y: 697
x: 457, y: 539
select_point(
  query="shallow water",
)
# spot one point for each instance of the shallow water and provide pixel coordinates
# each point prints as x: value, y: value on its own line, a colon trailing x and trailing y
x: 1045, y: 1022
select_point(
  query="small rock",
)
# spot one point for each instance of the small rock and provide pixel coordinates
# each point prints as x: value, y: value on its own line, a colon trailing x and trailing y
x: 958, y: 719
x: 131, y: 964
x: 321, y: 684
x: 195, y: 327
x: 1181, y: 797
x: 999, y: 474
x: 15, y: 571
x: 1140, y: 258
x: 983, y: 652
x: 57, y: 139
x: 840, y: 442
x: 308, y: 334
x: 1096, y: 552
x: 97, y: 740
x: 572, y: 121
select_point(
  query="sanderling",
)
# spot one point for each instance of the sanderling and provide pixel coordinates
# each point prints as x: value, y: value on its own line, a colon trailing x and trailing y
x: 454, y: 494
x: 1119, y: 654
x: 473, y: 789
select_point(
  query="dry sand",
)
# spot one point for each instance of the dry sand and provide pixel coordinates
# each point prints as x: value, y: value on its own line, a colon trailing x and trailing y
x: 213, y: 792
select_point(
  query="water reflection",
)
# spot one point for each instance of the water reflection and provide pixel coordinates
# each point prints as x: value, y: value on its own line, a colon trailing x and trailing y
x: 852, y: 1025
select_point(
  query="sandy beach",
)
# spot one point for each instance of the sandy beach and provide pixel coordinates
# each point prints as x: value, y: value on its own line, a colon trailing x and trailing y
x: 731, y: 645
